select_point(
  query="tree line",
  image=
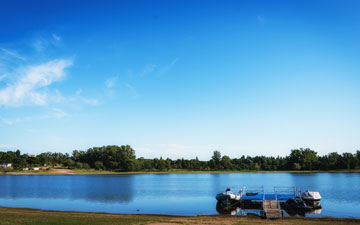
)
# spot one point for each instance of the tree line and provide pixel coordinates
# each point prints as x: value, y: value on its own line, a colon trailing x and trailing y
x: 123, y: 158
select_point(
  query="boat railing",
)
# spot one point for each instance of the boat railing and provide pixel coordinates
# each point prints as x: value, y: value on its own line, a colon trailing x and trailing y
x: 286, y: 190
x: 257, y: 190
x: 263, y: 197
x: 276, y: 197
x: 242, y: 192
x: 297, y: 192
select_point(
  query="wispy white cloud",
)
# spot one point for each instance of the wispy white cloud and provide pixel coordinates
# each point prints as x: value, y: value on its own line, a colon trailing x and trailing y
x: 78, y: 97
x: 133, y: 91
x: 58, y: 113
x: 39, y: 44
x: 26, y: 81
x: 158, y: 69
x: 90, y: 101
x: 52, y: 113
x: 13, y: 54
x: 57, y: 97
x: 28, y: 87
x: 56, y: 37
x: 111, y: 82
x: 165, y: 69
x: 10, y: 122
x: 2, y: 77
x: 7, y: 146
x: 149, y: 68
x: 42, y: 42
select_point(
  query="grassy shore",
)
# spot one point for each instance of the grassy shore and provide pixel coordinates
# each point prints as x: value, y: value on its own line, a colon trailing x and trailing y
x: 59, y: 171
x: 38, y: 217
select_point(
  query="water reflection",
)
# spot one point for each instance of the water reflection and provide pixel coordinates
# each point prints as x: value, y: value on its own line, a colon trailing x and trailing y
x: 95, y: 188
x: 255, y: 210
x: 103, y: 188
x: 228, y: 211
x: 302, y: 213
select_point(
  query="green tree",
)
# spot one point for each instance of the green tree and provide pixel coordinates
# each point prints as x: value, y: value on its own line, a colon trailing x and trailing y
x: 226, y: 162
x: 348, y: 161
x: 216, y: 159
x: 296, y: 166
x: 99, y: 165
x: 309, y: 159
x: 333, y: 160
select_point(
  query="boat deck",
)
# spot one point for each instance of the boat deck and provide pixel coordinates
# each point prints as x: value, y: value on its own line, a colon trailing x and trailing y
x: 260, y: 197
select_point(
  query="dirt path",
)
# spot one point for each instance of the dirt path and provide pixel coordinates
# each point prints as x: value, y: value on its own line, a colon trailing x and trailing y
x: 42, y: 172
x: 61, y: 171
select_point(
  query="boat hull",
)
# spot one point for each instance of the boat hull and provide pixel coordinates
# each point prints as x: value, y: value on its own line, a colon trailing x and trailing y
x: 227, y: 199
x: 313, y: 203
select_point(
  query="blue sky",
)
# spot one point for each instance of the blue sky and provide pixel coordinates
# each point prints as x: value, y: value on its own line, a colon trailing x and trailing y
x: 180, y: 78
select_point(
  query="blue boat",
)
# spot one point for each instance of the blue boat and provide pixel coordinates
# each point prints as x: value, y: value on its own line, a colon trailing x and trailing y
x: 296, y: 204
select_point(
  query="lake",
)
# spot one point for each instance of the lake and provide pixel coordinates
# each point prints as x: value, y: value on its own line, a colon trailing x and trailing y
x: 175, y: 194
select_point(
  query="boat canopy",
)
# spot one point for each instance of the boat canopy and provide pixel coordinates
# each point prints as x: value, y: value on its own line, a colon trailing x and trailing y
x: 311, y: 195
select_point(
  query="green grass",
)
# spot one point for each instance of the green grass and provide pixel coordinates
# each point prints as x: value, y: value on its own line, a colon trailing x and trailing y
x: 36, y: 217
x: 9, y: 216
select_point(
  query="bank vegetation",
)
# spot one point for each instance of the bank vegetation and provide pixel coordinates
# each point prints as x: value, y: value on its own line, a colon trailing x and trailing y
x: 123, y: 159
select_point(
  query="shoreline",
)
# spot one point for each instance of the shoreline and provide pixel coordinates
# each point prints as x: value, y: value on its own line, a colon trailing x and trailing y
x: 36, y: 216
x: 58, y: 171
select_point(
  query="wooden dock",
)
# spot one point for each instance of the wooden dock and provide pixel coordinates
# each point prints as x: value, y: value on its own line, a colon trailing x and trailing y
x: 271, y: 209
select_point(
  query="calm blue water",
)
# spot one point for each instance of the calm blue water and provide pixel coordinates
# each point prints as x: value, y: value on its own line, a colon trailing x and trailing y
x: 177, y: 194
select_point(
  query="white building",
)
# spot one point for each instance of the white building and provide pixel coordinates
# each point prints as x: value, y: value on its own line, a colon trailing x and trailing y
x: 5, y: 165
